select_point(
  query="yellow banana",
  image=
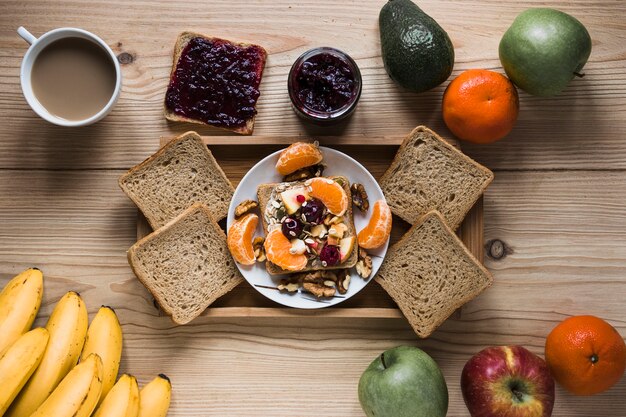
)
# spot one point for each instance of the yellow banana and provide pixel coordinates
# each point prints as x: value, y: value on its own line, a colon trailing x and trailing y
x: 19, y: 303
x: 154, y: 398
x: 104, y: 337
x: 77, y: 394
x: 122, y: 400
x: 19, y: 363
x: 67, y: 326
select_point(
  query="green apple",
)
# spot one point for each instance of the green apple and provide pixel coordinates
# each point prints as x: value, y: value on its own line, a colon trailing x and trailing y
x: 403, y: 382
x: 543, y: 50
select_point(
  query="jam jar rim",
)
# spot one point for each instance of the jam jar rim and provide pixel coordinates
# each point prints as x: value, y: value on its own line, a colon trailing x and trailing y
x: 340, y: 112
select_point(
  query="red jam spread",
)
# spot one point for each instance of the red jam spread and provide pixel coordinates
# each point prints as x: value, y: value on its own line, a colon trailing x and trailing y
x: 324, y: 85
x: 216, y: 82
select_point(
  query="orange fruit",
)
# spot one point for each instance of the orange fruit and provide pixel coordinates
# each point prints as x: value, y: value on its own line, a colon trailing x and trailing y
x: 480, y: 106
x: 329, y: 192
x: 239, y: 239
x: 378, y: 230
x: 585, y: 354
x: 297, y: 156
x: 277, y: 251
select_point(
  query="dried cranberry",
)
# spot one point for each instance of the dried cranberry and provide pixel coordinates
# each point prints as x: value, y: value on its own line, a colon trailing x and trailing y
x: 292, y: 228
x: 313, y: 211
x: 330, y: 255
x: 301, y: 199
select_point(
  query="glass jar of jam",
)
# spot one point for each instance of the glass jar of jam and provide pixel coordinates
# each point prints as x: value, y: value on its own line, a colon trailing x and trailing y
x: 324, y: 85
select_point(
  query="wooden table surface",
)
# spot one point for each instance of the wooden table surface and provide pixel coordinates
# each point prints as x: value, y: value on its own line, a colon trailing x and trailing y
x: 558, y: 202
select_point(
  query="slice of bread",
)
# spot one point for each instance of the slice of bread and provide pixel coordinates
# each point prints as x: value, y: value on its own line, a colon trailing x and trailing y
x: 264, y: 194
x: 429, y: 274
x: 427, y: 174
x: 181, y: 42
x: 185, y: 264
x: 181, y: 173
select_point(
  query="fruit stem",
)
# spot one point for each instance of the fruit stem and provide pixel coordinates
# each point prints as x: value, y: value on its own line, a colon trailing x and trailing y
x: 382, y: 359
x: 594, y: 358
x: 579, y: 74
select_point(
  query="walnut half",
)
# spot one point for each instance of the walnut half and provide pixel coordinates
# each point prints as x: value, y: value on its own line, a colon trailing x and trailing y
x: 343, y: 281
x: 259, y: 249
x: 364, y: 264
x: 359, y: 197
x: 245, y: 207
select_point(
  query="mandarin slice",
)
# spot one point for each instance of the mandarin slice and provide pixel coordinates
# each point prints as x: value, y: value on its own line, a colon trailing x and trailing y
x: 330, y: 193
x: 297, y: 156
x: 378, y: 230
x: 277, y: 250
x: 239, y: 239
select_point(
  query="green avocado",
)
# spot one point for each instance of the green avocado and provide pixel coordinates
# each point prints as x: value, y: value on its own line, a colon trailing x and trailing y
x: 417, y: 52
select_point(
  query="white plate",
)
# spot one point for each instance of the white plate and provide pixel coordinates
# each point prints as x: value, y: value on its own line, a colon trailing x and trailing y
x: 337, y: 163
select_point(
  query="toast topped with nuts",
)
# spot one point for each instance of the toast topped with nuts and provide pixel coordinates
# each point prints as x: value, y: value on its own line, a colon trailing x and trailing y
x: 309, y: 225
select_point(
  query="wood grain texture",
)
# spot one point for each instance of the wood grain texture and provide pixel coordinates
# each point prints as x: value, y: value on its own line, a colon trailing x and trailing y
x: 556, y: 213
x: 583, y: 128
x: 567, y: 254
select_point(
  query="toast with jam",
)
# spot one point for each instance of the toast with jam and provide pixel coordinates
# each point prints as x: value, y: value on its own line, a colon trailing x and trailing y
x: 309, y: 229
x: 215, y: 82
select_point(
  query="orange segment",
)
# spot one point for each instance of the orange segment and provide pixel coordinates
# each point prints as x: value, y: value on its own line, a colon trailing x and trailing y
x: 330, y: 193
x: 277, y: 251
x: 240, y: 239
x: 378, y: 230
x: 297, y: 156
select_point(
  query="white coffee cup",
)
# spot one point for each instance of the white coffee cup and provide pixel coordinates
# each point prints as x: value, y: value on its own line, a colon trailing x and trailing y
x: 39, y: 44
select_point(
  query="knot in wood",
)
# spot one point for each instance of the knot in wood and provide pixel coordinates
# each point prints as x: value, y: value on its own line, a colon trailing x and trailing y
x: 497, y: 249
x: 125, y: 58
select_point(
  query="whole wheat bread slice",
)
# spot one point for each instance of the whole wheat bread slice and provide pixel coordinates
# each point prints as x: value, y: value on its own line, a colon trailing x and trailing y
x: 264, y: 193
x: 181, y: 173
x: 429, y: 274
x: 428, y: 173
x: 181, y: 42
x: 186, y: 264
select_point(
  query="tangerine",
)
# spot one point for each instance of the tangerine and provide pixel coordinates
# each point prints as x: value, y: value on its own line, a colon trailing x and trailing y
x: 239, y: 239
x: 480, y: 106
x: 585, y: 354
x: 297, y: 156
x: 277, y: 250
x: 378, y: 229
x: 330, y: 193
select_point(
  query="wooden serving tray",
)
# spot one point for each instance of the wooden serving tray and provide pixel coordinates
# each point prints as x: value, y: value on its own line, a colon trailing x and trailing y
x: 376, y: 155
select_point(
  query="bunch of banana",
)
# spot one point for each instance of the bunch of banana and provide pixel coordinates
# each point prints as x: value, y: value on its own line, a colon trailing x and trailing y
x: 39, y: 374
x: 19, y: 304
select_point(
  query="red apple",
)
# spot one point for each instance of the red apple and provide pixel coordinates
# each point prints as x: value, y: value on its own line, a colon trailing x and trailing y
x: 507, y: 381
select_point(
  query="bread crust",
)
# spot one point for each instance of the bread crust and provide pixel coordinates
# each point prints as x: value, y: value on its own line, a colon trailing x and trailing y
x: 408, y: 215
x: 424, y: 332
x: 145, y: 280
x: 182, y: 41
x: 264, y: 192
x: 122, y: 180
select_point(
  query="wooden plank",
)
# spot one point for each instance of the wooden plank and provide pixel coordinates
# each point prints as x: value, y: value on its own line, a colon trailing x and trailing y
x: 569, y: 253
x: 583, y: 128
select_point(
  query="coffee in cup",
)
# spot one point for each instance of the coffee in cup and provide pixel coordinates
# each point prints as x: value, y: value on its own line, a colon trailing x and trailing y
x: 70, y: 77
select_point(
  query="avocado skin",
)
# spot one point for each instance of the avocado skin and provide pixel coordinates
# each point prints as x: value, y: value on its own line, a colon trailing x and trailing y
x: 543, y: 49
x: 417, y: 52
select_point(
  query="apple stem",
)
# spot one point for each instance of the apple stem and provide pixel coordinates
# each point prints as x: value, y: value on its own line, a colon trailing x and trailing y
x: 579, y: 74
x: 382, y: 359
